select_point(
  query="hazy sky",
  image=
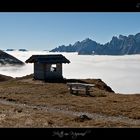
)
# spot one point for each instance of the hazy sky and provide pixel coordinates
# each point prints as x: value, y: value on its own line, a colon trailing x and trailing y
x: 47, y: 30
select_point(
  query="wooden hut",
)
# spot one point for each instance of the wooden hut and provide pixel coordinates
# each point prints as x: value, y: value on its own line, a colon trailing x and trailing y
x: 47, y: 67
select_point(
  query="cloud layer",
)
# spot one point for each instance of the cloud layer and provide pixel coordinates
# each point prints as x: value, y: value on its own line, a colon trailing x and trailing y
x: 121, y: 73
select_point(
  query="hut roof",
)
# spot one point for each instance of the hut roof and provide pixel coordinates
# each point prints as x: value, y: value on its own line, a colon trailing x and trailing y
x: 49, y: 59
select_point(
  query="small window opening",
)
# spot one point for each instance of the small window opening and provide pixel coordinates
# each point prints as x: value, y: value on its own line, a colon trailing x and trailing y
x: 53, y: 68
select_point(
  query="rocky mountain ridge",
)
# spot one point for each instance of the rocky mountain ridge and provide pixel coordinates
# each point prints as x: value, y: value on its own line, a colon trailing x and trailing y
x: 117, y: 46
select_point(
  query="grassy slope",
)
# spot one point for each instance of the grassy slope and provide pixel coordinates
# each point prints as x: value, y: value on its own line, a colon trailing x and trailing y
x: 4, y: 78
x: 32, y: 92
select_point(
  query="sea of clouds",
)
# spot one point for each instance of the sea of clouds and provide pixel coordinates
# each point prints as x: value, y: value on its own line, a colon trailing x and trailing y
x: 121, y: 73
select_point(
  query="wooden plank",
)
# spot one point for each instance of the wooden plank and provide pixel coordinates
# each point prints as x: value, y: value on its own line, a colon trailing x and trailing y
x: 80, y: 84
x: 74, y: 89
x: 77, y: 89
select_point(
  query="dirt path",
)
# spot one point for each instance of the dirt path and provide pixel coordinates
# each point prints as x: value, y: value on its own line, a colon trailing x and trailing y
x: 95, y: 116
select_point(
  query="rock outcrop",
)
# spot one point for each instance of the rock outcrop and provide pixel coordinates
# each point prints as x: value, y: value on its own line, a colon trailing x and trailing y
x: 5, y: 78
x: 6, y: 58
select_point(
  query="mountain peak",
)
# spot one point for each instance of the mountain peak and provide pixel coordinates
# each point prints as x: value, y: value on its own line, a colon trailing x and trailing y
x: 114, y: 37
x: 121, y: 37
x: 87, y: 40
x: 137, y: 37
x: 131, y: 36
x: 76, y: 43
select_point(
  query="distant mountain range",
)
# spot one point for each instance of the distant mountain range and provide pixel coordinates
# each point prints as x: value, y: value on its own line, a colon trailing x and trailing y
x: 117, y: 46
x: 6, y: 58
x: 18, y: 50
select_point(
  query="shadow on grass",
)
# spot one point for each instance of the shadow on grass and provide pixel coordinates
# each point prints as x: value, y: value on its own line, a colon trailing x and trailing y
x: 82, y: 95
x: 64, y: 81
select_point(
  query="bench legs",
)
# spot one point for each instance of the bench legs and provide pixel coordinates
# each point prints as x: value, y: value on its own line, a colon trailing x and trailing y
x: 87, y: 91
x: 77, y: 90
x: 71, y: 91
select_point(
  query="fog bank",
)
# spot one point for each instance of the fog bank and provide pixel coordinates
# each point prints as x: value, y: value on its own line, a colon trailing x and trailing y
x: 121, y: 73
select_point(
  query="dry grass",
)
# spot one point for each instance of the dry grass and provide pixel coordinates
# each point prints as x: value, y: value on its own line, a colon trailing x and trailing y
x: 56, y: 95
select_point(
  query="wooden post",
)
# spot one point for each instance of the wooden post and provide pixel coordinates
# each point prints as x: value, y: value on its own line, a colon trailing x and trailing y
x: 77, y: 90
x: 71, y: 91
x: 87, y: 90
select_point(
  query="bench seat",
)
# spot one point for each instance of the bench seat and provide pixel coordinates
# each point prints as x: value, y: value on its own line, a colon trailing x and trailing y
x: 77, y: 87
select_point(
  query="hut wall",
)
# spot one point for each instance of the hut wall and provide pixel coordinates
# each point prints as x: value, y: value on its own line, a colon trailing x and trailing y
x: 59, y: 69
x: 39, y: 71
x: 43, y: 71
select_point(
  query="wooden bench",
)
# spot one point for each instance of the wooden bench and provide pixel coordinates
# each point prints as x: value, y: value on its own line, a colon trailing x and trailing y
x: 76, y: 87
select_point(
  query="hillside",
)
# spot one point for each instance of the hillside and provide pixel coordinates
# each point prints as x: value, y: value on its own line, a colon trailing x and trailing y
x: 6, y: 58
x: 117, y: 46
x: 25, y: 102
x: 5, y: 78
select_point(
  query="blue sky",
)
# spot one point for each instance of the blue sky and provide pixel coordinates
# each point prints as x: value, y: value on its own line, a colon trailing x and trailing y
x: 47, y: 30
